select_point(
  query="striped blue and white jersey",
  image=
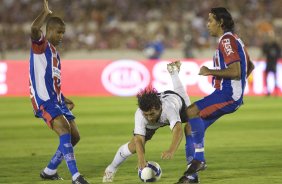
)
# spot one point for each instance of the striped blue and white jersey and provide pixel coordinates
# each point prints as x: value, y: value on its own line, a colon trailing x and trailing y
x: 44, y: 73
x: 231, y: 49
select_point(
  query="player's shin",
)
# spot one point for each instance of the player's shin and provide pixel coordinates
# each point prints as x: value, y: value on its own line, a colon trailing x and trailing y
x: 189, y: 151
x: 121, y: 155
x: 67, y: 149
x: 189, y: 148
x: 54, y: 163
x: 198, y: 133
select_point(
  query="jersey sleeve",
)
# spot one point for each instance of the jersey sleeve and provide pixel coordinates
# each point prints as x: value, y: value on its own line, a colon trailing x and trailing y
x: 229, y: 49
x: 39, y: 46
x: 140, y: 123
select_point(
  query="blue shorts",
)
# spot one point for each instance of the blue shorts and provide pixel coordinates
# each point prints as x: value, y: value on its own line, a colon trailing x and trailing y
x: 216, y: 105
x: 50, y: 110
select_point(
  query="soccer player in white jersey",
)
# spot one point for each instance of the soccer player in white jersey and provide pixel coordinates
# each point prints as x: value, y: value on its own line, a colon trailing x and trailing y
x: 232, y: 66
x: 157, y: 110
x: 45, y: 91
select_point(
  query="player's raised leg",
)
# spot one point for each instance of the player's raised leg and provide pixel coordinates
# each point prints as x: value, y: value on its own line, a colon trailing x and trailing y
x: 174, y: 68
x: 124, y: 151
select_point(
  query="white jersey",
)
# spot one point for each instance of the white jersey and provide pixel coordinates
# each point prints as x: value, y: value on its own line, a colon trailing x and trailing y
x: 171, y: 107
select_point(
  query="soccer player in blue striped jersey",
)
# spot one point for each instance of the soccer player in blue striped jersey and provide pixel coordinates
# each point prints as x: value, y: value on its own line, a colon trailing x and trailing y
x: 232, y: 66
x: 46, y: 96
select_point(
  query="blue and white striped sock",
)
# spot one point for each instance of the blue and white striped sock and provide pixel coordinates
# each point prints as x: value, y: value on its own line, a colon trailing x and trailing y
x: 198, y: 133
x: 56, y: 160
x: 67, y: 149
x: 189, y: 148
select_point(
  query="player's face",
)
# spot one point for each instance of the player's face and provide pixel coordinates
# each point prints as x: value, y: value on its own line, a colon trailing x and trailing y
x: 152, y: 115
x: 213, y: 26
x: 56, y: 34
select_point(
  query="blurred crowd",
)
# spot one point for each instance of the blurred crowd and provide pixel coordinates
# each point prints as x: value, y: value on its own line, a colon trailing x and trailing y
x: 128, y: 24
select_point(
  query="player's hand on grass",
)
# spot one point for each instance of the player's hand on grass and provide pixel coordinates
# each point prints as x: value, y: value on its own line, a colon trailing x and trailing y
x: 46, y: 8
x: 167, y: 155
x: 69, y: 104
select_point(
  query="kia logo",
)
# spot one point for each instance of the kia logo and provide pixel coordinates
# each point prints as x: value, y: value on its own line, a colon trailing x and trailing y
x: 125, y: 77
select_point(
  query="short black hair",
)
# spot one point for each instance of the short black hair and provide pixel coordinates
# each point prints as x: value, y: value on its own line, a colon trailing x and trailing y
x: 222, y: 13
x: 148, y: 99
x: 52, y: 21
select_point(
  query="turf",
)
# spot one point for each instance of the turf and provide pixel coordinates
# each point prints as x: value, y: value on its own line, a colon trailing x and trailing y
x: 243, y: 147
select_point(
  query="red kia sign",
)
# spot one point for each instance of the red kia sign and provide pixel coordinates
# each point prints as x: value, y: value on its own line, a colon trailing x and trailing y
x: 125, y: 77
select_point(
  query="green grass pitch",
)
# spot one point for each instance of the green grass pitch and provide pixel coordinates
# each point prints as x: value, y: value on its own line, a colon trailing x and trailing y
x: 244, y: 147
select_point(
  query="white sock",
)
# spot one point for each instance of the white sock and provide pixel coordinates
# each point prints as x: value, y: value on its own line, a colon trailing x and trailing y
x: 49, y: 171
x: 122, y: 154
x: 178, y: 88
x: 75, y: 176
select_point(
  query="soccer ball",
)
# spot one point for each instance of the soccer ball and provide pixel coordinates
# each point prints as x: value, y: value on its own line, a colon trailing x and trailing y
x: 151, y: 173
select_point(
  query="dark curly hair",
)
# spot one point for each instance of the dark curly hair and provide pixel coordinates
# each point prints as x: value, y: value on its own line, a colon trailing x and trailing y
x: 148, y: 99
x: 221, y: 13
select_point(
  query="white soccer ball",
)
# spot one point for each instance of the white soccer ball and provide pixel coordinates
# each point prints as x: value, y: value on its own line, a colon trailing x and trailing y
x: 151, y: 173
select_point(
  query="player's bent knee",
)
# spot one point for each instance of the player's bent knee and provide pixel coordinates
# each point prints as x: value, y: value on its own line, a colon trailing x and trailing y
x: 75, y: 139
x: 187, y: 129
x: 61, y: 126
x: 192, y: 111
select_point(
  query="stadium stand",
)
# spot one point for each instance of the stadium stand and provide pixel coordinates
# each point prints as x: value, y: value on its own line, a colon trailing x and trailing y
x: 128, y: 25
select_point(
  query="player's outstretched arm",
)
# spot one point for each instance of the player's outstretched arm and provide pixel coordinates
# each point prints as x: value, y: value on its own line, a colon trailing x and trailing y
x: 177, y: 135
x: 233, y: 71
x: 39, y: 21
x: 140, y: 150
